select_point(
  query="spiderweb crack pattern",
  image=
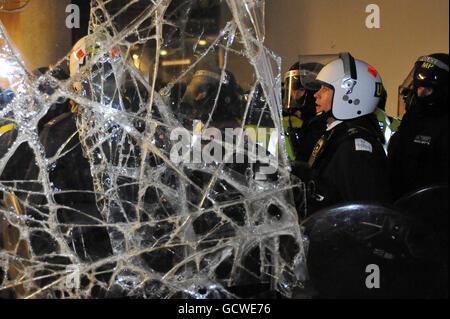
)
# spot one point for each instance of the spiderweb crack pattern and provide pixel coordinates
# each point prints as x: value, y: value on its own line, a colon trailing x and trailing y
x: 94, y: 205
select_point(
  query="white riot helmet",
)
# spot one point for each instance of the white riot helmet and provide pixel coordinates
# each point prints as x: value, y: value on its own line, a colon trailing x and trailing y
x: 88, y: 47
x: 357, y: 86
x: 78, y: 56
x: 78, y: 60
x: 97, y: 71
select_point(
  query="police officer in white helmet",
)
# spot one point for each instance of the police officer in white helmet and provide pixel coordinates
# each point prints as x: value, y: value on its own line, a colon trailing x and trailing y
x: 348, y: 163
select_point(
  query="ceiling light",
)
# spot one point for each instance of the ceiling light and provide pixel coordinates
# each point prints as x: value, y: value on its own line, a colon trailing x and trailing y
x: 176, y: 62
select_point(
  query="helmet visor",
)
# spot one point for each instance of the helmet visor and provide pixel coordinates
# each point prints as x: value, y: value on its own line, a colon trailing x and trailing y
x: 430, y: 72
x: 292, y: 89
x: 310, y: 66
x: 309, y: 79
x: 405, y: 94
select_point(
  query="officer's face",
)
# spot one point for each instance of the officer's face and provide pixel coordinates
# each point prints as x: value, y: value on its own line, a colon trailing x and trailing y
x: 424, y: 91
x: 298, y: 94
x: 324, y: 99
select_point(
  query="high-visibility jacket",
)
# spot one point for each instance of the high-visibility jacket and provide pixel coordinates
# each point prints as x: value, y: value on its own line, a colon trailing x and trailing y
x: 388, y: 125
x: 268, y: 137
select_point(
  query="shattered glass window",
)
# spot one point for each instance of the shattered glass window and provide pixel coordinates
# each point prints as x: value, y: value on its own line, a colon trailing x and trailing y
x: 150, y: 161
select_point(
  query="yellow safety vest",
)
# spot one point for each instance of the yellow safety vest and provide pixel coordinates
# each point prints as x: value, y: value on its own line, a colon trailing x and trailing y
x: 389, y: 127
x: 262, y: 135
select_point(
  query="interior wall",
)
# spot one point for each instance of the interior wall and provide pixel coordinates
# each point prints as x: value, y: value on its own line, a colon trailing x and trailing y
x: 40, y: 32
x: 408, y: 29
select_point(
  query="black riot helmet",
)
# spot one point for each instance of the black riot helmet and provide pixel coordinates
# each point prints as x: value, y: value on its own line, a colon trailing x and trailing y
x: 429, y: 71
x: 206, y: 89
x: 295, y: 95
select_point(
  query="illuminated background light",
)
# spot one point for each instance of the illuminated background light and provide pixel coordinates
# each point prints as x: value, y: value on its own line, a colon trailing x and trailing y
x: 176, y: 62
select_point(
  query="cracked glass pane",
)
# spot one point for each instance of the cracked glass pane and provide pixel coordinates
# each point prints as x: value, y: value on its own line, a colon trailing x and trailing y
x: 150, y: 161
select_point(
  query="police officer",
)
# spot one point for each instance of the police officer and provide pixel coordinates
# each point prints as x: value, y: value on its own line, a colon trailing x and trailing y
x: 348, y: 163
x: 304, y: 126
x: 203, y: 101
x: 418, y: 152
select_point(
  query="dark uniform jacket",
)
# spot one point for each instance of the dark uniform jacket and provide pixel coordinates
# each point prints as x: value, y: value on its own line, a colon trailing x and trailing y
x: 306, y: 137
x: 419, y: 151
x: 349, y: 164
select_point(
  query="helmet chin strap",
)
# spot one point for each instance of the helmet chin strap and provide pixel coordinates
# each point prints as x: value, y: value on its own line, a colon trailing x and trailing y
x: 329, y: 117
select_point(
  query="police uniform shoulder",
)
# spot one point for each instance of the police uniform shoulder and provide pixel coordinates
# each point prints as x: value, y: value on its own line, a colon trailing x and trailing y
x: 356, y: 144
x: 362, y: 145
